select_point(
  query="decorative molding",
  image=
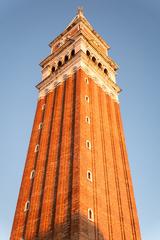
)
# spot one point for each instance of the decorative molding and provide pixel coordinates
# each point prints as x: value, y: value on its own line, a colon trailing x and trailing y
x: 79, y: 61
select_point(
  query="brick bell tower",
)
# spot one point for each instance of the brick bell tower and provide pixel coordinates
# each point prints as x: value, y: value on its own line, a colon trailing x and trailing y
x: 76, y: 182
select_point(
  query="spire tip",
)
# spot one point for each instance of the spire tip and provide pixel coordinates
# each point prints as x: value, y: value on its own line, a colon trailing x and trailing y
x: 80, y: 11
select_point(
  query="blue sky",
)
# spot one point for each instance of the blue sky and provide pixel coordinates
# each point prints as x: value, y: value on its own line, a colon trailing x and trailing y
x: 132, y: 30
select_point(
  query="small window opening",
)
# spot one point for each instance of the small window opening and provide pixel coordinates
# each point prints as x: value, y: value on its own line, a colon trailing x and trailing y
x: 59, y: 63
x: 87, y: 99
x: 99, y: 65
x: 73, y: 53
x: 90, y: 214
x: 105, y: 71
x: 66, y: 58
x: 36, y: 148
x: 94, y: 59
x: 32, y: 174
x: 89, y: 176
x: 88, y: 53
x: 26, y: 207
x: 40, y: 125
x: 88, y: 144
x: 53, y: 69
x: 43, y: 106
x: 87, y: 81
x: 88, y: 120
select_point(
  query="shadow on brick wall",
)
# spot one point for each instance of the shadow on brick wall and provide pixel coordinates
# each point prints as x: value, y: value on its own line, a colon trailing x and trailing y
x: 78, y: 229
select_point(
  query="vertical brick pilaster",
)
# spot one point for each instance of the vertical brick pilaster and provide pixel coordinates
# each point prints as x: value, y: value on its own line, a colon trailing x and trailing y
x: 115, y: 156
x: 73, y: 211
x: 20, y: 215
x: 134, y: 224
x: 106, y: 168
x: 46, y: 227
x: 62, y: 223
x: 35, y: 202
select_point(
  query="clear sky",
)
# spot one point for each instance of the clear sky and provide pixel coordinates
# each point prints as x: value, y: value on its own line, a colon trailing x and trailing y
x: 132, y: 29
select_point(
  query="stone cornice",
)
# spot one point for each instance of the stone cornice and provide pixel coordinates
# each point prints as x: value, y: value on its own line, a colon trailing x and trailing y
x: 96, y: 69
x: 52, y: 55
x: 80, y: 60
x: 59, y: 72
x: 108, y: 59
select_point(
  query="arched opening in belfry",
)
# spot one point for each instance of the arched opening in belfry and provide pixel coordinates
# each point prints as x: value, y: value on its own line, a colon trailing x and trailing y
x: 106, y: 71
x: 59, y: 63
x: 66, y: 58
x: 88, y: 53
x: 94, y: 59
x: 72, y: 52
x: 99, y: 65
x: 53, y: 69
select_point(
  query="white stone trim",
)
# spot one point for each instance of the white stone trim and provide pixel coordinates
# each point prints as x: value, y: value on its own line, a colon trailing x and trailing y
x: 87, y: 98
x: 78, y: 62
x: 43, y: 106
x: 88, y: 144
x: 27, y: 205
x: 36, y: 148
x: 32, y: 174
x: 89, y: 175
x: 90, y: 212
x: 88, y: 120
x: 40, y: 125
x: 87, y: 80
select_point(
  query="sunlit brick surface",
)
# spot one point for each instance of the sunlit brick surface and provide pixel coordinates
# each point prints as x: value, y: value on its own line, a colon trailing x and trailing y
x: 60, y: 193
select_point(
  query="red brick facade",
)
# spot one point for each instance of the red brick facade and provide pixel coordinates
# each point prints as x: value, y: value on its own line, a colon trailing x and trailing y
x: 60, y: 193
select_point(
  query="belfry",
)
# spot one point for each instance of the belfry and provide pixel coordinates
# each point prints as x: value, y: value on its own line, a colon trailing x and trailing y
x: 76, y: 182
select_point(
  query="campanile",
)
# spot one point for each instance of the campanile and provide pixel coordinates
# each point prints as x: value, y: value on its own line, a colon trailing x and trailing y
x: 76, y: 182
